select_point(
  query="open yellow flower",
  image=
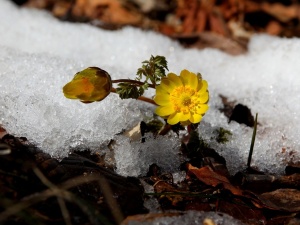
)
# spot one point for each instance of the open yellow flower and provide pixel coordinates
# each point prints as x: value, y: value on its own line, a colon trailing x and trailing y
x: 182, y: 98
x: 89, y: 85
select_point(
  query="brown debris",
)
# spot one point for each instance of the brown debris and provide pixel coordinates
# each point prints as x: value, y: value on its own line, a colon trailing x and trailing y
x: 108, y: 11
x: 19, y: 183
x: 225, y: 25
x: 209, y: 177
x: 282, y: 199
x: 149, y: 217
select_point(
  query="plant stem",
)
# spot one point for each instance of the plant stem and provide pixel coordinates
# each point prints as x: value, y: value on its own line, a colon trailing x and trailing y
x: 139, y: 83
x: 252, y: 142
x: 141, y: 98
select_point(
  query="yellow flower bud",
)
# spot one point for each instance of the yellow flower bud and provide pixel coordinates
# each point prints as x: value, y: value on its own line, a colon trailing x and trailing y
x: 89, y: 85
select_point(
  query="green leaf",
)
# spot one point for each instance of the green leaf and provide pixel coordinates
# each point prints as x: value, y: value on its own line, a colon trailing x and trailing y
x: 149, y: 74
x: 127, y: 90
x: 152, y: 69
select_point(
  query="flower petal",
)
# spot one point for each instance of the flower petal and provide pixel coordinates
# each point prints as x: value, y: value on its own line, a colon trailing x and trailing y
x: 99, y: 95
x: 76, y: 88
x: 175, y: 79
x: 162, y: 99
x: 70, y: 91
x: 202, y: 109
x: 167, y: 84
x: 193, y: 81
x: 202, y: 87
x: 203, y: 98
x: 184, y: 74
x: 189, y: 79
x: 178, y: 117
x: 160, y: 90
x: 164, y: 110
x: 173, y: 119
x: 184, y: 116
x: 196, y: 118
x: 91, y: 84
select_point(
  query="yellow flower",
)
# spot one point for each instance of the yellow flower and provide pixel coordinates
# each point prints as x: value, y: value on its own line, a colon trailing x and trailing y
x: 182, y: 98
x: 89, y: 85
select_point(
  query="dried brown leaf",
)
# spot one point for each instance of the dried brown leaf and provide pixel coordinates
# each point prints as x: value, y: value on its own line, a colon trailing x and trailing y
x: 242, y: 212
x: 281, y: 12
x: 108, y: 11
x: 282, y: 199
x: 209, y: 177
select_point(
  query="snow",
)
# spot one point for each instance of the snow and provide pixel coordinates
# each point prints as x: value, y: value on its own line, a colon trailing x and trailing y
x: 190, y: 217
x: 133, y: 158
x: 39, y: 54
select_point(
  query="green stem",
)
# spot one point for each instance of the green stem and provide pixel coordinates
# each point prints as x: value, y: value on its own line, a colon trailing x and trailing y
x: 252, y: 142
x: 139, y: 83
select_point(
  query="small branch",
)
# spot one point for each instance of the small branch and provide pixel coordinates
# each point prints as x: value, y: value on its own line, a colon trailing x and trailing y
x: 59, y: 192
x: 61, y: 202
x: 145, y: 99
x: 64, y: 210
x: 110, y: 200
x: 139, y: 83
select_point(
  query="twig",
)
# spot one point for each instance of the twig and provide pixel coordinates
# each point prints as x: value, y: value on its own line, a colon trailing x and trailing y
x: 252, y: 142
x: 112, y: 203
x: 61, y: 202
x: 59, y: 192
x: 64, y: 211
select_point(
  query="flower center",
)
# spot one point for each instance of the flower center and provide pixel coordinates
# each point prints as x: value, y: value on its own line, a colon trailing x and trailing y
x: 184, y: 99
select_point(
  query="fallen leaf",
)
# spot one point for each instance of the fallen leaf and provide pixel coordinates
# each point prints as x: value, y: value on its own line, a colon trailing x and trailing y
x: 212, y: 40
x: 209, y: 177
x: 108, y: 11
x: 148, y: 217
x: 217, y: 24
x: 281, y: 12
x: 274, y: 28
x: 282, y: 199
x: 241, y: 211
x: 173, y: 199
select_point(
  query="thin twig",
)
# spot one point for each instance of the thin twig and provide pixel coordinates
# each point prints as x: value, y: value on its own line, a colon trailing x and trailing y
x: 64, y: 211
x: 145, y: 99
x: 61, y: 202
x: 112, y: 203
x: 59, y: 192
x: 252, y: 142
